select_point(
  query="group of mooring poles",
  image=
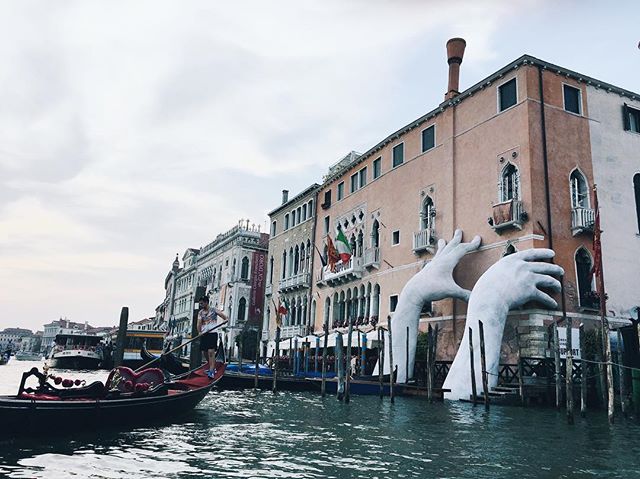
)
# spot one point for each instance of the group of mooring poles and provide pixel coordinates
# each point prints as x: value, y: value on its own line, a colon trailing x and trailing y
x: 483, y: 364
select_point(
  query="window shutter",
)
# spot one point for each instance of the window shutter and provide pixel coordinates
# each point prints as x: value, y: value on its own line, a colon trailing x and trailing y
x: 625, y: 117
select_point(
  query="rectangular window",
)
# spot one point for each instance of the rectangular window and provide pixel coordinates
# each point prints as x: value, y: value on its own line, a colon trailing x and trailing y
x: 377, y: 168
x: 273, y: 228
x: 398, y: 155
x: 395, y: 237
x: 286, y: 222
x: 354, y: 182
x: 571, y: 99
x: 393, y: 302
x: 327, y: 200
x: 326, y: 225
x: 340, y: 193
x: 507, y: 95
x: 363, y: 177
x: 428, y: 138
x: 631, y: 118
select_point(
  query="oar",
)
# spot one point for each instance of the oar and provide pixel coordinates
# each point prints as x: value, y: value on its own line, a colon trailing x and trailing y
x: 179, y: 347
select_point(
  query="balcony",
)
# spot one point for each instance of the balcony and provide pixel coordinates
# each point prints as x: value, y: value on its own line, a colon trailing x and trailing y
x: 265, y: 335
x: 343, y: 273
x: 292, y: 331
x: 424, y: 240
x: 372, y: 257
x: 508, y: 214
x: 268, y: 289
x: 297, y: 281
x: 582, y: 220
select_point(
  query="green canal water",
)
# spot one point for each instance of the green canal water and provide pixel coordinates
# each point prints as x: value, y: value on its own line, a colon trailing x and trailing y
x: 251, y: 434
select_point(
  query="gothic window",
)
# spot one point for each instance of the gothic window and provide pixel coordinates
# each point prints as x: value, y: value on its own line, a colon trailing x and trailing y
x: 509, y: 250
x: 352, y: 244
x: 296, y: 260
x: 584, y: 265
x: 242, y: 306
x: 284, y: 264
x: 233, y: 269
x: 244, y: 272
x: 579, y: 190
x: 375, y: 234
x: 427, y: 215
x: 303, y: 254
x: 509, y: 183
x: 291, y: 262
x: 360, y: 244
x: 271, y: 270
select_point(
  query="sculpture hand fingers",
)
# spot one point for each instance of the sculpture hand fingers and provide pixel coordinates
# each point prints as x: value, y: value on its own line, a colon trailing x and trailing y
x: 455, y: 241
x: 465, y: 248
x: 544, y: 281
x: 546, y: 268
x: 441, y: 246
x: 535, y: 254
x: 544, y: 299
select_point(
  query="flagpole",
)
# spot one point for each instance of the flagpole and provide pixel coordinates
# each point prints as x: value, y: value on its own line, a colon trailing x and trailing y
x: 604, y: 323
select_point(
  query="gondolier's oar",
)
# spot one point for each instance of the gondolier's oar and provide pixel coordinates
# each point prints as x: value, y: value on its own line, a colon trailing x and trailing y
x: 179, y: 347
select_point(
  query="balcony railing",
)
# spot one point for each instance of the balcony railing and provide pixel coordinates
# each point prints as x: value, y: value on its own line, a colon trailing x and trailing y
x: 265, y: 335
x: 508, y: 214
x: 268, y: 289
x: 372, y: 257
x: 582, y: 220
x: 300, y: 280
x: 424, y: 240
x: 291, y: 331
x: 343, y: 272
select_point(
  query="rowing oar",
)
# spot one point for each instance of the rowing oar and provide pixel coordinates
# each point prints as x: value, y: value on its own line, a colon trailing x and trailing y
x: 179, y: 347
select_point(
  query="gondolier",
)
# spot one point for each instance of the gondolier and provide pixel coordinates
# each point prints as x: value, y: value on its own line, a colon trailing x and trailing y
x: 207, y: 320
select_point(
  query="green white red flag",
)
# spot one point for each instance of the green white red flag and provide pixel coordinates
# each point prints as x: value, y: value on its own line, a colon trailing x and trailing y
x: 342, y: 245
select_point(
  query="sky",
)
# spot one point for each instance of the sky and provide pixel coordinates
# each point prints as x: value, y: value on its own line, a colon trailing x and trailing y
x: 130, y: 131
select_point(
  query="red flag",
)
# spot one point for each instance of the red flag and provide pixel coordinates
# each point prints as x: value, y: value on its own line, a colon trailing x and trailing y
x: 332, y: 253
x: 597, y: 246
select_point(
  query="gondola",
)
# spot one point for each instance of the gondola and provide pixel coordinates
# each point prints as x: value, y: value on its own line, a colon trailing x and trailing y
x: 169, y: 362
x: 126, y: 399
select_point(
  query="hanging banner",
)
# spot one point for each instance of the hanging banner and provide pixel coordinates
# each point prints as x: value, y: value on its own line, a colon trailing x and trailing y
x: 575, y: 342
x: 256, y: 302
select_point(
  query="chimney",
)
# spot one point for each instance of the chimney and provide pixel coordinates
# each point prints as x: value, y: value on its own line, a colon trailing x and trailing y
x: 285, y: 196
x: 455, y: 52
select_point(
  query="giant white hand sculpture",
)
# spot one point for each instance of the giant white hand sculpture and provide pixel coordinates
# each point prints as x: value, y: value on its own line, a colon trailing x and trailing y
x: 511, y: 282
x: 434, y: 282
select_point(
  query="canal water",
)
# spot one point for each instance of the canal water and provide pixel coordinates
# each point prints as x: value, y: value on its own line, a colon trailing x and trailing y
x: 251, y: 434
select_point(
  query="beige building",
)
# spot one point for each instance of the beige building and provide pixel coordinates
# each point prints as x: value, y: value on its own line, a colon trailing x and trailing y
x: 290, y: 263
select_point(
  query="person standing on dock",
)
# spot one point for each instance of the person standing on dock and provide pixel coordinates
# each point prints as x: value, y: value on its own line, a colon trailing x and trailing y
x: 207, y: 320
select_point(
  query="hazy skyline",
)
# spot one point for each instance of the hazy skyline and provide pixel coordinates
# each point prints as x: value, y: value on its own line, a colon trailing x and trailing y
x: 130, y: 131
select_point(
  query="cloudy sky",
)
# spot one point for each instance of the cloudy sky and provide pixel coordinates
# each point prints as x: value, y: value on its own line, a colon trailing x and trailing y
x: 130, y: 131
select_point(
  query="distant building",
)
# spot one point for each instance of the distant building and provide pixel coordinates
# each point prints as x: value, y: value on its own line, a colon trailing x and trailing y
x: 13, y: 338
x: 232, y: 270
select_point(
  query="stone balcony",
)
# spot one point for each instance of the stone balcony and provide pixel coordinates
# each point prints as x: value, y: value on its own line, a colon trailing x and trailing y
x: 372, y: 258
x: 343, y: 273
x: 265, y: 335
x: 424, y: 240
x: 268, y: 289
x: 292, y: 331
x: 508, y: 214
x: 297, y: 281
x: 582, y: 220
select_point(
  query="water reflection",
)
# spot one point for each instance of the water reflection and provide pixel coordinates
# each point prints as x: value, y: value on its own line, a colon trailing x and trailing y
x: 298, y: 435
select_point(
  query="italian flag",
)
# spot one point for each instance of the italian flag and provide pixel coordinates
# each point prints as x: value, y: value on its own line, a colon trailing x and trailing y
x: 342, y: 245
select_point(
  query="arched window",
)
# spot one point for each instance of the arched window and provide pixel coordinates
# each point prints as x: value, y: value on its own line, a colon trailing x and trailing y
x: 360, y: 244
x: 286, y: 221
x: 296, y: 260
x: 376, y: 301
x: 636, y: 187
x: 375, y: 234
x: 509, y: 183
x: 509, y: 250
x: 303, y: 255
x: 327, y: 313
x: 307, y: 266
x: 284, y: 264
x: 584, y: 265
x: 313, y: 314
x: 427, y: 215
x: 233, y: 269
x: 579, y: 190
x: 291, y: 262
x: 352, y: 244
x: 242, y: 306
x: 271, y: 270
x: 244, y: 271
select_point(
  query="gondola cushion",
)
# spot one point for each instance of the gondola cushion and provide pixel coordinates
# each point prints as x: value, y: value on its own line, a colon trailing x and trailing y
x: 121, y: 375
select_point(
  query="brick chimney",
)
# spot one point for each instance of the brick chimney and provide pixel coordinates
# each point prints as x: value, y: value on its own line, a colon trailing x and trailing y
x: 455, y: 52
x: 285, y: 196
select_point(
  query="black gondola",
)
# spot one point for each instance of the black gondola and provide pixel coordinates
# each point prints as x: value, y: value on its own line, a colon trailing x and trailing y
x: 118, y: 403
x: 169, y: 362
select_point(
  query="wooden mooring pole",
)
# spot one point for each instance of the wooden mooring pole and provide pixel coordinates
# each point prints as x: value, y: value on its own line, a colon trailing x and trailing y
x: 569, y: 371
x: 556, y: 356
x: 609, y: 369
x: 347, y: 395
x: 391, y: 378
x: 381, y: 360
x: 122, y: 337
x: 406, y: 363
x: 428, y: 363
x: 434, y: 350
x: 520, y: 369
x: 474, y: 391
x: 276, y: 356
x: 483, y: 362
x: 255, y: 378
x: 323, y: 388
x: 340, y: 366
x: 623, y: 394
x: 583, y: 374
